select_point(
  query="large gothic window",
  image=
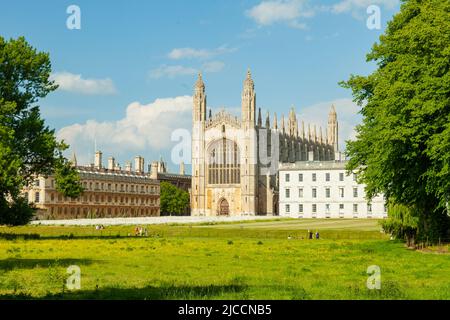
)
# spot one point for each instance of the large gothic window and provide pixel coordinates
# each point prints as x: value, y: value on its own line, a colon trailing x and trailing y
x: 223, y: 162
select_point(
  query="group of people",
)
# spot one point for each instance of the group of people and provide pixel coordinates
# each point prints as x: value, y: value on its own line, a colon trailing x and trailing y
x: 99, y: 227
x: 311, y: 235
x: 139, y: 231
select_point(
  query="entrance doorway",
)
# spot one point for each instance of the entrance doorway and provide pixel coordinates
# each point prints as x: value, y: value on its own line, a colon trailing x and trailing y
x: 224, y: 208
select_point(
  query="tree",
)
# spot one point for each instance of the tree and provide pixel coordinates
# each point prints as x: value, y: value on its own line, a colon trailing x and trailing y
x: 28, y: 148
x: 402, y: 148
x: 173, y: 200
x: 402, y: 223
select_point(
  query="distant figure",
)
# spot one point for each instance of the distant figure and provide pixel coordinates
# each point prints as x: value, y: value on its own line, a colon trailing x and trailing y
x: 310, y: 234
x: 317, y: 234
x: 145, y: 232
x: 289, y: 237
x: 136, y: 231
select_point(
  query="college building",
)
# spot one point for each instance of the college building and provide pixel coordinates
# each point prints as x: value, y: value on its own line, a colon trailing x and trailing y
x: 323, y: 189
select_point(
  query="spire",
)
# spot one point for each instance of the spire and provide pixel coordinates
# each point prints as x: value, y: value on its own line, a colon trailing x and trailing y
x: 315, y: 133
x: 200, y: 84
x: 275, y: 121
x: 333, y: 129
x: 303, y: 130
x: 292, y: 122
x: 320, y: 135
x: 199, y: 100
x: 249, y: 101
x: 282, y: 123
x: 259, y: 118
x: 210, y: 115
x: 267, y: 120
x: 73, y: 160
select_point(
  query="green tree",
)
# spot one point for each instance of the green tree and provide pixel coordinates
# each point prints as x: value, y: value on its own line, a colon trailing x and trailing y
x: 173, y: 200
x: 402, y: 148
x: 402, y: 223
x: 28, y: 147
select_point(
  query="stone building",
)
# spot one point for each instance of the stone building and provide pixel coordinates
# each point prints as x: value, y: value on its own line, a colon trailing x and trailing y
x: 235, y: 160
x: 323, y: 189
x: 108, y: 192
x: 158, y: 170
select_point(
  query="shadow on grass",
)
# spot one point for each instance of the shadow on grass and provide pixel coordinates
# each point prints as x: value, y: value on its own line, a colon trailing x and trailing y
x: 164, y: 292
x: 18, y: 263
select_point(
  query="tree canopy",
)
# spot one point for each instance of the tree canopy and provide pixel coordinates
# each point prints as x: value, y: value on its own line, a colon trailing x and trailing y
x: 173, y: 200
x: 402, y: 148
x: 28, y: 148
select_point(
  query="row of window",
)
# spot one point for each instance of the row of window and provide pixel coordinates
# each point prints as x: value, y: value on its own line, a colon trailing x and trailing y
x: 119, y: 187
x: 101, y: 199
x: 327, y: 208
x: 102, y: 211
x: 327, y: 192
x: 314, y: 177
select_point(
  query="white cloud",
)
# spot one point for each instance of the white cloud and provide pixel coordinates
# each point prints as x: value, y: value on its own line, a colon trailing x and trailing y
x: 172, y: 71
x: 143, y: 130
x: 213, y: 66
x: 75, y: 83
x: 356, y: 6
x: 347, y: 113
x: 275, y: 11
x: 178, y: 70
x: 191, y: 53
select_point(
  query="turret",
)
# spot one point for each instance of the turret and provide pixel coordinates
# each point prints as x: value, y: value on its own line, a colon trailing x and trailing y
x: 249, y: 101
x: 199, y: 106
x: 333, y: 128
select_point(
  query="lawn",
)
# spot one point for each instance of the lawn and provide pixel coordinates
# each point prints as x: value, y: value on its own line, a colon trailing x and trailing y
x: 251, y: 260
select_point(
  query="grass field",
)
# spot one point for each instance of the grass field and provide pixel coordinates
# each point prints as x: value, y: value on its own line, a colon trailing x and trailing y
x: 250, y: 260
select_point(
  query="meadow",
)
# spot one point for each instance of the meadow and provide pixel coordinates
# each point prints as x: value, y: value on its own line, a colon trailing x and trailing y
x: 249, y: 260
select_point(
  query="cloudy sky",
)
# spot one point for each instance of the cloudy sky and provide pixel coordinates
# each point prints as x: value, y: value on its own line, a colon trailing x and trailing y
x: 126, y: 77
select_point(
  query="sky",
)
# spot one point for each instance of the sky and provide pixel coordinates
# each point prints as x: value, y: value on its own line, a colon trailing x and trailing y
x: 126, y: 76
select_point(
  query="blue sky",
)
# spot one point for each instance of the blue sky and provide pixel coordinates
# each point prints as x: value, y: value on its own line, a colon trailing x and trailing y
x: 127, y: 74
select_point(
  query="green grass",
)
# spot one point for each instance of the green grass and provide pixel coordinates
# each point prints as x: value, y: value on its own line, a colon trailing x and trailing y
x: 219, y: 261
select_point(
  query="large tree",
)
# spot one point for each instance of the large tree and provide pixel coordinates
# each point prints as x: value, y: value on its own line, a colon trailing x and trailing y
x: 173, y: 200
x: 403, y: 144
x: 28, y: 148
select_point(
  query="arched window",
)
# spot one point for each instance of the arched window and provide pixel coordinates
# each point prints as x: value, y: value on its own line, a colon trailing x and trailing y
x: 224, y: 162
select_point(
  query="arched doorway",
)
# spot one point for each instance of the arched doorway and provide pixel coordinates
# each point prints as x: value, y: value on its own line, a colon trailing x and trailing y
x: 224, y: 208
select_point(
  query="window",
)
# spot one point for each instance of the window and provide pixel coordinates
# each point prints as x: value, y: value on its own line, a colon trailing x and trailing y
x: 300, y: 208
x: 355, y: 207
x: 36, y: 182
x: 300, y: 193
x: 327, y: 208
x: 36, y: 197
x: 341, y: 192
x: 369, y: 208
x: 287, y: 208
x: 355, y: 192
x: 314, y: 192
x: 341, y: 176
x: 327, y: 176
x: 314, y: 177
x: 327, y: 192
x: 288, y: 193
x: 314, y: 208
x: 341, y: 206
x: 355, y: 177
x: 287, y: 177
x: 300, y: 177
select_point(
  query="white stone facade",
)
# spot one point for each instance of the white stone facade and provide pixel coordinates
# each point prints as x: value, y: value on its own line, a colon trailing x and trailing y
x: 315, y: 189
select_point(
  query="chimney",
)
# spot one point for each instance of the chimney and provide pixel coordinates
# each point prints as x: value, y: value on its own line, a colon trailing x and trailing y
x: 128, y: 166
x: 98, y: 160
x: 154, y: 170
x: 182, y: 172
x: 117, y: 167
x: 111, y: 163
x: 139, y: 164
